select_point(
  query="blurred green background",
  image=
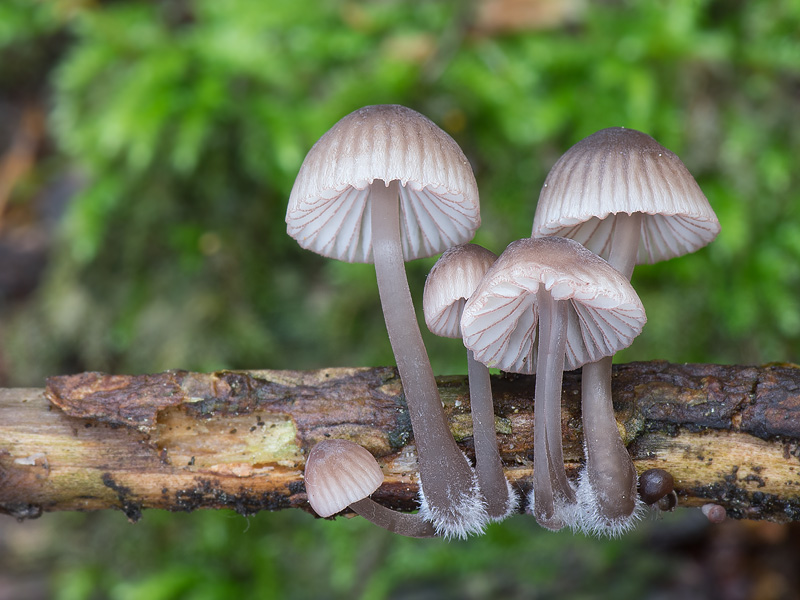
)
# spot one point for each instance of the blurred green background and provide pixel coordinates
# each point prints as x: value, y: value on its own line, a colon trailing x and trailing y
x: 148, y: 150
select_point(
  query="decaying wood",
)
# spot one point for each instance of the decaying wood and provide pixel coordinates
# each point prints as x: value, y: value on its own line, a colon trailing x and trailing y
x: 182, y: 441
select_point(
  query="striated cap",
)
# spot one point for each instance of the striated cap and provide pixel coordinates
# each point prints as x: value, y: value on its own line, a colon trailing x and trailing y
x: 620, y: 170
x: 338, y: 473
x: 329, y: 212
x: 449, y: 285
x: 499, y: 320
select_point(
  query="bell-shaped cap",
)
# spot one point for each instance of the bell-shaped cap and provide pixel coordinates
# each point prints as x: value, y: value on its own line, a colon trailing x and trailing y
x: 620, y: 170
x: 338, y: 473
x: 449, y: 285
x: 500, y: 318
x: 329, y: 211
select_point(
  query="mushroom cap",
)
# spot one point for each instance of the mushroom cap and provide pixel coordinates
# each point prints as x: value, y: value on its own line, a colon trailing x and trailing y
x: 338, y: 473
x: 654, y: 484
x: 620, y: 170
x: 499, y: 320
x: 450, y: 283
x: 328, y: 210
x: 714, y: 512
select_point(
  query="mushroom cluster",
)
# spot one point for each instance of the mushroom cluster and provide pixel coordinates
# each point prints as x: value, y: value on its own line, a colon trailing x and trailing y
x: 624, y: 196
x: 385, y: 185
x: 584, y: 310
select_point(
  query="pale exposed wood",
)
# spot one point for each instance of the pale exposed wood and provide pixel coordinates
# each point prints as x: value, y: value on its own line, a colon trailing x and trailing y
x: 182, y: 441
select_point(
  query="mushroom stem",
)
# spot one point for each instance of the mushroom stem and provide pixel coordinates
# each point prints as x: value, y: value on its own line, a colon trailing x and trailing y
x: 409, y: 525
x: 449, y: 483
x: 488, y: 464
x: 609, y: 468
x: 625, y: 242
x: 552, y: 493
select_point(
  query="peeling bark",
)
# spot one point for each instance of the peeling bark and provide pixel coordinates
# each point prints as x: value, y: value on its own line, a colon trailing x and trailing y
x: 235, y: 439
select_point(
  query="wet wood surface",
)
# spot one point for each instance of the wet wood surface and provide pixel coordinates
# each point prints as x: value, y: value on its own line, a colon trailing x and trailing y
x: 238, y: 439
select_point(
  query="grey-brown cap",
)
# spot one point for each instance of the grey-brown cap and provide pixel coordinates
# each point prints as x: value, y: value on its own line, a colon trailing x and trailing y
x: 329, y: 212
x: 450, y: 283
x: 619, y: 170
x: 499, y: 320
x: 338, y: 473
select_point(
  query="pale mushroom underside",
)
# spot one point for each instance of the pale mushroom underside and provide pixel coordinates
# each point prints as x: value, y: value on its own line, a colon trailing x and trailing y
x: 329, y: 208
x: 500, y: 328
x: 662, y: 236
x: 338, y: 224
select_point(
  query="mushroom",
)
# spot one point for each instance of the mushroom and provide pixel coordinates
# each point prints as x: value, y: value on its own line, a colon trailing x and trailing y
x: 386, y: 185
x: 585, y: 310
x: 714, y: 513
x: 340, y: 473
x: 657, y: 488
x: 620, y: 192
x: 627, y: 198
x: 450, y: 283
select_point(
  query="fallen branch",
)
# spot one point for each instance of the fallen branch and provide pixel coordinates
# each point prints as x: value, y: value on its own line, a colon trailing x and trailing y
x: 182, y: 441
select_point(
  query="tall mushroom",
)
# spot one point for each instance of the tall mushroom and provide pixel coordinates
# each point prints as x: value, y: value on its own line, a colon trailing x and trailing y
x: 585, y: 310
x: 449, y: 285
x: 340, y: 473
x: 385, y: 185
x: 630, y: 200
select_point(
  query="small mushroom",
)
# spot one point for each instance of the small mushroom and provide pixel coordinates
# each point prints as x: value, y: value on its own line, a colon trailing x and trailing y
x: 584, y: 309
x: 340, y: 473
x: 657, y: 488
x: 624, y: 196
x: 385, y: 185
x: 449, y: 285
x: 714, y: 513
